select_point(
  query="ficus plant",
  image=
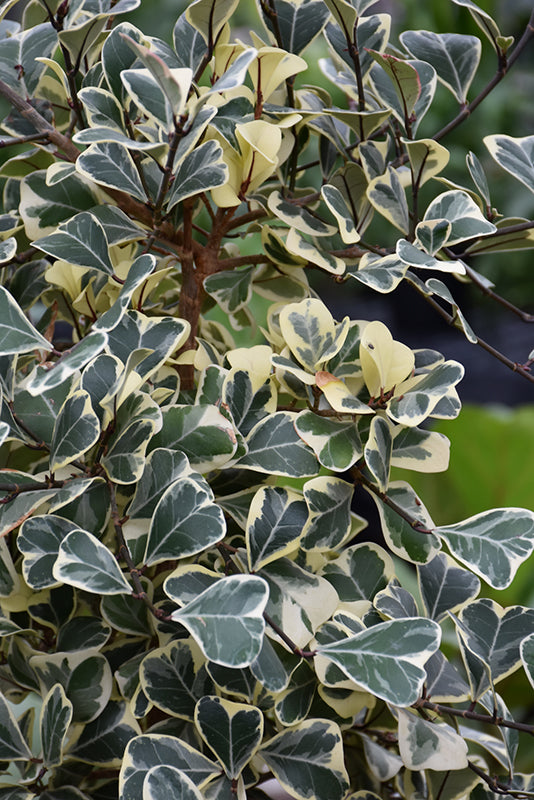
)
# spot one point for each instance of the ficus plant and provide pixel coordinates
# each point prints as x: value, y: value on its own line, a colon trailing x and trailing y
x: 189, y: 603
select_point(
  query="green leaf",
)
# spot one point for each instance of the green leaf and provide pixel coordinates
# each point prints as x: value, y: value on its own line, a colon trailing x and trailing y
x: 343, y: 214
x: 297, y: 217
x: 202, y: 169
x: 423, y: 451
x: 80, y: 633
x: 175, y: 83
x: 308, y: 760
x: 104, y: 740
x: 12, y: 744
x: 17, y: 335
x: 85, y: 675
x: 299, y: 602
x: 209, y: 16
x: 358, y: 574
x: 275, y: 447
x: 415, y: 257
x: 387, y: 196
x: 377, y: 451
x: 478, y: 176
x: 120, y: 613
x: 330, y: 520
x: 232, y: 731
x: 43, y: 207
x: 305, y: 251
x: 231, y: 290
x: 458, y: 208
x: 454, y: 56
x: 186, y: 521
x: 527, y: 656
x: 494, y: 634
x: 39, y: 540
x: 226, y: 619
x: 110, y: 164
x: 404, y: 78
x: 336, y: 444
x: 117, y: 55
x: 387, y: 659
x: 445, y: 586
x: 422, y: 394
x: 76, y: 430
x: 140, y: 269
x: 404, y: 540
x: 164, y: 781
x: 85, y: 562
x: 484, y: 21
x: 383, y: 274
x: 432, y: 235
x: 149, y: 96
x: 162, y: 468
x: 8, y: 248
x: 492, y: 544
x: 515, y: 155
x: 124, y: 460
x: 345, y: 15
x: 172, y: 680
x: 154, y: 750
x: 294, y: 703
x: 189, y: 45
x: 297, y: 23
x: 102, y: 108
x: 426, y: 745
x: 385, y: 89
x: 201, y: 432
x: 274, y: 526
x: 82, y: 241
x: 24, y: 49
x: 44, y: 380
x: 56, y: 715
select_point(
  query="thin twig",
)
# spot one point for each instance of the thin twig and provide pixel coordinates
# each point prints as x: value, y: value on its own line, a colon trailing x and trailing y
x: 500, y: 722
x: 504, y: 66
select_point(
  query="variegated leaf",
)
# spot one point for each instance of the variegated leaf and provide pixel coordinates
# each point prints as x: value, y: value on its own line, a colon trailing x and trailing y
x: 227, y: 619
x: 388, y: 658
x: 454, y: 56
x: 76, y: 430
x: 154, y: 750
x: 492, y: 544
x: 308, y: 760
x: 330, y: 521
x: 83, y: 561
x: 232, y: 731
x: 427, y: 745
x: 185, y: 522
x: 275, y: 524
x: 56, y: 715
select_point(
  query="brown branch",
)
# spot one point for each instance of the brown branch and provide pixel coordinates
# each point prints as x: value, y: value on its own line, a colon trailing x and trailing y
x: 451, y: 320
x: 496, y: 786
x: 412, y: 521
x: 124, y: 553
x: 500, y: 722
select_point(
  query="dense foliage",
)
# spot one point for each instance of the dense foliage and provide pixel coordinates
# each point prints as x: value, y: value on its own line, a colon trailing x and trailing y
x: 187, y: 607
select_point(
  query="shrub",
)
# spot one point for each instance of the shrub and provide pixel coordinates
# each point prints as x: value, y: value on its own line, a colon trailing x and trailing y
x: 187, y: 608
